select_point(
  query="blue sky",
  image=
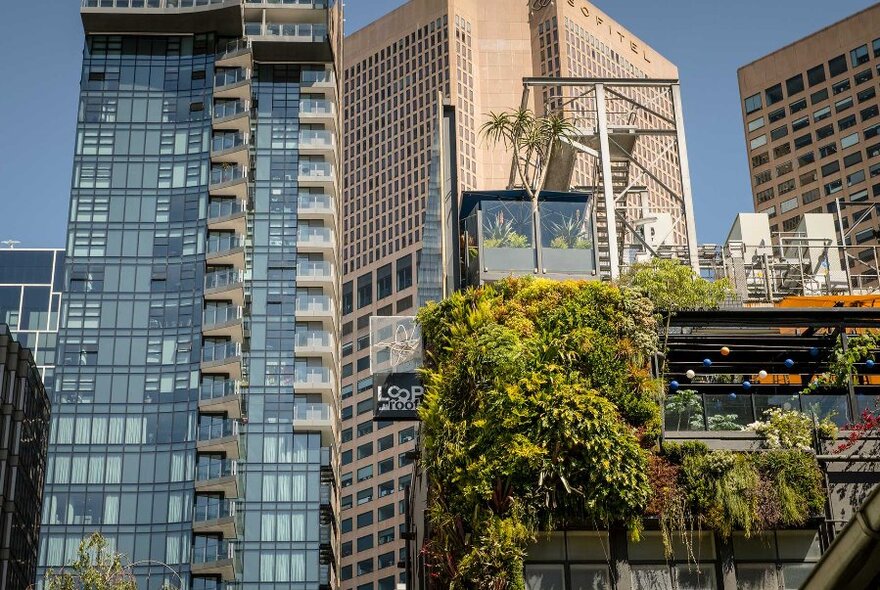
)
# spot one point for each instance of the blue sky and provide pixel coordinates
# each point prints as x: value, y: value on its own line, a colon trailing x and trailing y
x: 708, y: 40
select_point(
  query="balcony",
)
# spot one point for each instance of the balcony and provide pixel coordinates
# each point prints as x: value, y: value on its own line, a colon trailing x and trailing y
x: 230, y: 147
x: 314, y: 380
x: 216, y: 516
x: 222, y: 17
x: 316, y: 207
x: 225, y: 285
x: 227, y: 215
x: 232, y: 115
x: 317, y: 175
x: 219, y: 436
x: 315, y: 110
x: 311, y: 273
x: 315, y: 343
x: 325, y: 543
x: 328, y: 466
x: 318, y: 142
x: 235, y: 54
x: 316, y: 308
x: 217, y: 476
x: 318, y: 82
x: 234, y: 83
x: 318, y: 240
x: 288, y: 10
x: 229, y: 180
x: 315, y: 418
x: 325, y: 578
x: 223, y: 321
x: 220, y: 397
x: 222, y: 359
x: 226, y: 250
x: 215, y: 558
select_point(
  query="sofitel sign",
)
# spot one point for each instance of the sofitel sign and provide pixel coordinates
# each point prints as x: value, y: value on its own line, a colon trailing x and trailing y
x: 397, y: 396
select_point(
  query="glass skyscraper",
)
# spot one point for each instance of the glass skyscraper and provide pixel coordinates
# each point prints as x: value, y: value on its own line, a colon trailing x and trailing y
x: 196, y: 406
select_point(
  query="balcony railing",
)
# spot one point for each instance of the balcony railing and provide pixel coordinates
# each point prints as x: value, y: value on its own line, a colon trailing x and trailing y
x: 230, y: 108
x: 301, y: 32
x: 316, y: 138
x: 221, y: 279
x: 315, y: 236
x: 303, y: 3
x: 150, y: 3
x: 312, y: 77
x: 214, y: 509
x: 314, y: 412
x: 217, y: 389
x: 217, y: 315
x: 229, y: 77
x: 315, y: 203
x: 314, y: 303
x: 314, y: 270
x: 313, y: 106
x: 215, y: 550
x: 216, y: 469
x: 313, y: 339
x: 216, y: 429
x: 227, y: 141
x: 318, y: 169
x: 223, y: 243
x: 312, y: 376
x: 224, y: 208
x: 227, y: 174
x: 233, y: 47
x: 220, y: 352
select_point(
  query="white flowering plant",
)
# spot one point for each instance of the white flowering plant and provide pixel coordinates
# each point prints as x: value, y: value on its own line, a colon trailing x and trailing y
x: 790, y: 429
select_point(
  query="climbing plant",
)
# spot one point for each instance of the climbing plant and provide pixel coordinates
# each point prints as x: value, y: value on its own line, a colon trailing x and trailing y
x: 672, y: 285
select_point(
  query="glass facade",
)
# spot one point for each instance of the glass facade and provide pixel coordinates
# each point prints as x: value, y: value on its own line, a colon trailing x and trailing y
x: 195, y: 419
x: 30, y: 301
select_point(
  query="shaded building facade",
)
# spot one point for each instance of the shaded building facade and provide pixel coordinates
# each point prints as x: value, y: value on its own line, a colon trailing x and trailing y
x: 24, y: 436
x: 197, y: 350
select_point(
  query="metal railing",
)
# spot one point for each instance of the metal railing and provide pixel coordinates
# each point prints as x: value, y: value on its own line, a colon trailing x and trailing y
x: 219, y: 209
x: 216, y: 389
x: 227, y: 174
x: 207, y: 509
x: 222, y: 142
x: 215, y: 469
x: 220, y: 279
x: 228, y: 77
x: 220, y: 352
x: 230, y: 108
x: 216, y: 315
x: 233, y: 47
x: 213, y: 550
x: 217, y: 429
x: 223, y: 243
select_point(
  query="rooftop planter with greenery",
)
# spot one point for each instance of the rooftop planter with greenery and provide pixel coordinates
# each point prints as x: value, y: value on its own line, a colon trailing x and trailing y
x: 541, y: 413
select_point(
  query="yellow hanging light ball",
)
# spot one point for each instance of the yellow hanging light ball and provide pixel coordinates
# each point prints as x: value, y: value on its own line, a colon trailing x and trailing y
x: 725, y: 351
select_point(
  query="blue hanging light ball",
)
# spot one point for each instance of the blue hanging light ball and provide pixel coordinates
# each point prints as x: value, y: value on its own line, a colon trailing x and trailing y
x: 673, y: 385
x: 869, y: 363
x: 707, y: 362
x: 747, y: 384
x: 732, y: 395
x: 789, y: 363
x: 814, y: 351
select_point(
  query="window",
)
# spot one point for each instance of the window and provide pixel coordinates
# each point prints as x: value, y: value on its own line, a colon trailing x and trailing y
x: 363, y: 497
x: 808, y: 177
x: 406, y: 435
x: 386, y: 488
x: 386, y: 442
x: 843, y: 104
x: 385, y: 536
x: 782, y: 150
x: 404, y: 481
x: 788, y: 205
x: 765, y: 195
x: 346, y: 435
x: 364, y: 519
x: 771, y: 212
x: 876, y: 47
x: 872, y: 131
x: 823, y: 132
x: 846, y: 122
x: 833, y: 187
x: 841, y: 86
x: 760, y: 159
x: 806, y: 159
x: 830, y: 168
x: 823, y: 113
x: 404, y: 459
x: 346, y: 479
x: 819, y: 96
x: 797, y: 106
x: 866, y: 94
x: 784, y: 169
x: 756, y: 124
x: 859, y: 56
x: 383, y: 282
x: 347, y: 298
x: 776, y: 115
x: 810, y: 196
x: 364, y: 428
x: 365, y: 290
x: 837, y: 66
x: 855, y: 178
x: 365, y: 567
x: 786, y: 187
x: 385, y: 512
x: 386, y: 465
x: 794, y: 85
x: 386, y: 560
x: 753, y: 103
x: 346, y: 457
x: 799, y: 124
x: 849, y: 141
x: 365, y: 450
x: 803, y: 141
x: 816, y: 75
x: 365, y: 406
x: 365, y: 542
x: 870, y: 112
x: 404, y: 272
x: 779, y: 132
x: 873, y: 150
x: 773, y: 94
x: 827, y: 150
x: 346, y: 525
x: 863, y: 76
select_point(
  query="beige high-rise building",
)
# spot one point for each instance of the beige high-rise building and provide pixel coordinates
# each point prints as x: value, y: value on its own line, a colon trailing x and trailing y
x: 475, y: 54
x: 812, y: 125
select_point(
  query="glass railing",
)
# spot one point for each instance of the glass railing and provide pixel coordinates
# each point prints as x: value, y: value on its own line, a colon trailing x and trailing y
x: 326, y: 495
x: 215, y: 429
x: 150, y: 3
x: 222, y: 278
x: 317, y: 138
x: 314, y: 270
x: 233, y: 47
x: 312, y: 376
x: 312, y: 77
x: 313, y: 339
x: 227, y: 141
x: 324, y: 534
x: 312, y: 412
x: 230, y: 76
x: 217, y: 389
x: 322, y: 169
x: 219, y: 209
x: 215, y: 469
x: 316, y: 236
x: 216, y: 315
x: 315, y: 203
x: 301, y: 32
x: 221, y: 351
x: 324, y: 575
x: 223, y: 243
x: 213, y: 509
x: 314, y: 303
x: 303, y: 3
x: 229, y: 108
x: 313, y: 106
x: 226, y: 174
x: 213, y: 550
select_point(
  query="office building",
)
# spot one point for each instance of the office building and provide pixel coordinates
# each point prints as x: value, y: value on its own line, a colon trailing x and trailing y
x: 438, y: 60
x: 812, y: 122
x: 198, y: 348
x: 30, y: 301
x: 24, y: 436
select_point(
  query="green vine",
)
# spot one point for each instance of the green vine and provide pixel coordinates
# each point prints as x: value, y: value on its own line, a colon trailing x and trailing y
x: 843, y: 363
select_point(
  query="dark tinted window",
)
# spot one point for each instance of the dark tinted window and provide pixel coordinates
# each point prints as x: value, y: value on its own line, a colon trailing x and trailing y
x: 837, y: 66
x: 774, y: 94
x: 816, y: 75
x: 25, y: 267
x: 794, y: 84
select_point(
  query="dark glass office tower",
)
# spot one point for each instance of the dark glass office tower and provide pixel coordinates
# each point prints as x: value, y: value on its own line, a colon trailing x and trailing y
x: 199, y: 332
